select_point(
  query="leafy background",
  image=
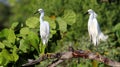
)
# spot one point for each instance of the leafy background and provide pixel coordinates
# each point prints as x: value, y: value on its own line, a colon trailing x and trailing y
x: 19, y: 30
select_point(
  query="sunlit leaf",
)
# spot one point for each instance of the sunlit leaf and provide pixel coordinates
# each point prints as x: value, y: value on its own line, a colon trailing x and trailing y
x: 24, y: 45
x: 69, y: 17
x: 7, y: 43
x: 14, y: 53
x: 11, y: 36
x: 24, y: 30
x: 7, y: 55
x: 2, y: 45
x: 34, y: 40
x: 14, y: 25
x: 4, y: 33
x: 62, y: 24
x: 3, y: 60
x: 32, y: 22
x: 51, y: 22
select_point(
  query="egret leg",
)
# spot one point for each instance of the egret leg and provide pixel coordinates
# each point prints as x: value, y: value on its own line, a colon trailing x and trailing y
x: 43, y: 49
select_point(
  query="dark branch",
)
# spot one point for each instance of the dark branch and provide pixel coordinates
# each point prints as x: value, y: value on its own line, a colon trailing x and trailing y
x: 61, y: 57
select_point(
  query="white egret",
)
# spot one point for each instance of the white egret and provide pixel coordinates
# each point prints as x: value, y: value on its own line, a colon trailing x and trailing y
x: 94, y: 31
x: 44, y: 29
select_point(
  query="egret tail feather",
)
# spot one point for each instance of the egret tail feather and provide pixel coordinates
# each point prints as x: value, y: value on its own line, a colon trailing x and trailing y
x: 103, y: 37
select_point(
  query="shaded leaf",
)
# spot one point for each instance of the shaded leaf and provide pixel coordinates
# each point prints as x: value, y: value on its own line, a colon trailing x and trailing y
x: 62, y: 24
x: 117, y: 27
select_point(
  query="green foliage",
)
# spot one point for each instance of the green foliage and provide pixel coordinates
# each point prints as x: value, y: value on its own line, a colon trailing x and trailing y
x: 32, y: 22
x: 69, y: 16
x: 14, y: 25
x: 68, y: 26
x: 62, y: 24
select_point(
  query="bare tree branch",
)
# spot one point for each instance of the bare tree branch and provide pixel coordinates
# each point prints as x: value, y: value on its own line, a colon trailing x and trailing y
x: 61, y: 57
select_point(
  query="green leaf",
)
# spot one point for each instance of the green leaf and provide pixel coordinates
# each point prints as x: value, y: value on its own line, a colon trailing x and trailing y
x: 117, y: 27
x: 118, y: 34
x: 62, y: 24
x: 24, y: 45
x: 51, y: 22
x: 1, y: 35
x: 7, y: 43
x: 4, y: 33
x: 9, y: 35
x: 34, y: 40
x: 24, y: 30
x: 32, y: 22
x: 7, y: 55
x: 3, y: 60
x: 69, y: 17
x: 14, y: 25
x: 52, y: 32
x: 2, y: 45
x: 14, y: 53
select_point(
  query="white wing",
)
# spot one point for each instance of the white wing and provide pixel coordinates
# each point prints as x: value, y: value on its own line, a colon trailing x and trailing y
x: 100, y: 35
x: 96, y: 26
x: 44, y: 31
x: 47, y: 28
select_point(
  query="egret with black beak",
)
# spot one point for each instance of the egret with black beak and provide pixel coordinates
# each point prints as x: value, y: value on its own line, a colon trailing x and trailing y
x: 44, y: 30
x: 94, y: 31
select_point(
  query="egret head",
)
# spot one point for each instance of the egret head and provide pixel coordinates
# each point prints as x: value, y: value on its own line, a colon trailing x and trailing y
x: 90, y: 11
x: 39, y: 11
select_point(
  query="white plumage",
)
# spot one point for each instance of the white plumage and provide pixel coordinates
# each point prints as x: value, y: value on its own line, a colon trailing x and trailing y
x: 44, y: 28
x: 94, y: 30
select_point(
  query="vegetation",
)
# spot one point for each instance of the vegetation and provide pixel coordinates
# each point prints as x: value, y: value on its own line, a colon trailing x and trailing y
x: 20, y: 40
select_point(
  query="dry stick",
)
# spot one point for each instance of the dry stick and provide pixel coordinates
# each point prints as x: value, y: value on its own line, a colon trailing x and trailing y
x: 73, y: 54
x: 42, y: 58
x: 56, y: 63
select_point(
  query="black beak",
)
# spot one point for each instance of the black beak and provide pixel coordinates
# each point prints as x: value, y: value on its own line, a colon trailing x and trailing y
x: 36, y: 12
x: 86, y: 13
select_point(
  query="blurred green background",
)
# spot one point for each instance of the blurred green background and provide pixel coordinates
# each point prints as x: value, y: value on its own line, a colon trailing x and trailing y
x: 19, y: 30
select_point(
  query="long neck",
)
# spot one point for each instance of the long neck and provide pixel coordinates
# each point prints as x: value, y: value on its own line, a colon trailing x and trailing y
x: 42, y: 17
x: 91, y: 16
